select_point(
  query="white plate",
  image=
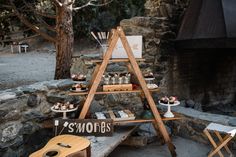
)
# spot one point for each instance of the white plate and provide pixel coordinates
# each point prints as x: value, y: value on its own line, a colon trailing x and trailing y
x: 149, y: 79
x: 68, y: 110
x: 80, y: 82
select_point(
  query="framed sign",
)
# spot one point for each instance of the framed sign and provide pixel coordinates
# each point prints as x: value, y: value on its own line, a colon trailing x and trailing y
x: 84, y: 127
x: 136, y: 44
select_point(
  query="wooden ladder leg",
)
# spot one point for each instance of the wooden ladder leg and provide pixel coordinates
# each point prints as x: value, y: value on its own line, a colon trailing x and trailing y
x: 221, y: 140
x: 95, y: 72
x: 158, y: 132
x: 213, y: 143
x: 98, y: 77
x: 220, y: 146
x: 143, y: 84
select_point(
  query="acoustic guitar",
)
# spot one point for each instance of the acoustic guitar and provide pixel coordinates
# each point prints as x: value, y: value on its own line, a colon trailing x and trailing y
x: 63, y: 146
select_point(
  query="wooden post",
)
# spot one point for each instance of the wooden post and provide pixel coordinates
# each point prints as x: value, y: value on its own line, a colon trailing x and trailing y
x: 143, y: 84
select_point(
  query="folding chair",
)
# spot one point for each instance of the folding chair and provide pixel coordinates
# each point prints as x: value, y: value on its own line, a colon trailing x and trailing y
x: 219, y: 129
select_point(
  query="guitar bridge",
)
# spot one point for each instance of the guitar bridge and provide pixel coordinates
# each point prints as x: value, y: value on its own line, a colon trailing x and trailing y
x: 64, y: 145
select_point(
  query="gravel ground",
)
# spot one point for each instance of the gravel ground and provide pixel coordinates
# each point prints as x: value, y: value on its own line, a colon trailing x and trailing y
x: 25, y: 68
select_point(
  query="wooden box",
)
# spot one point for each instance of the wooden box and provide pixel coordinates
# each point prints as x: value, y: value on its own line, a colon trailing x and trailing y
x: 118, y: 87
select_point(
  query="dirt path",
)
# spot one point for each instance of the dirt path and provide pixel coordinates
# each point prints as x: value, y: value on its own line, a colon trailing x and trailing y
x: 25, y: 68
x: 37, y: 65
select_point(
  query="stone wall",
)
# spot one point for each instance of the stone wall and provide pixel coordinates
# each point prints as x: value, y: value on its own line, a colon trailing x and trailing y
x: 22, y: 112
x: 25, y: 113
x: 158, y: 28
x: 204, y: 77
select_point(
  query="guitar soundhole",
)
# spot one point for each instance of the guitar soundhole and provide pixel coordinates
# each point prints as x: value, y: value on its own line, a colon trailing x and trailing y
x: 51, y: 153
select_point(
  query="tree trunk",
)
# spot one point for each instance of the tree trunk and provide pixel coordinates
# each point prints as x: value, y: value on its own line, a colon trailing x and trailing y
x: 65, y: 41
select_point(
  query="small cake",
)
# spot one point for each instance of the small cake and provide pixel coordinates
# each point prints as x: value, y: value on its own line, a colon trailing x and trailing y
x: 71, y: 106
x: 79, y: 87
x: 164, y: 100
x: 78, y: 77
x: 63, y: 107
x: 149, y: 75
x: 172, y: 100
x: 152, y: 86
x: 83, y: 86
x: 81, y: 77
x: 56, y: 107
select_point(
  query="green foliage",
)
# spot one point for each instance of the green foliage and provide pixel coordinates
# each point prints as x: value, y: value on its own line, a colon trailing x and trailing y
x: 106, y: 17
x: 85, y: 20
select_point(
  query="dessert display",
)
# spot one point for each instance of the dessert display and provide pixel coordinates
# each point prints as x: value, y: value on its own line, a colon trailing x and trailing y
x: 78, y: 77
x: 115, y: 115
x: 117, y: 82
x: 152, y: 86
x: 172, y: 99
x: 79, y: 87
x: 164, y: 100
x: 168, y: 100
x: 63, y: 106
x: 148, y: 75
x: 116, y: 78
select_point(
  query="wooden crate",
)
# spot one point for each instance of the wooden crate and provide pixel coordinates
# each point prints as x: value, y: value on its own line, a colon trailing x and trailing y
x: 119, y: 87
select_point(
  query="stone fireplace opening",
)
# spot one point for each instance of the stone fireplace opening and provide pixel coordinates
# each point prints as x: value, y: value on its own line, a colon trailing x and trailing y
x: 207, y: 78
x: 203, y: 70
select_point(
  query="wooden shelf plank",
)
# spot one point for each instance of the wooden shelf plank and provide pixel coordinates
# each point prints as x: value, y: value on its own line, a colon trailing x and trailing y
x: 117, y: 60
x: 143, y: 120
x: 115, y: 92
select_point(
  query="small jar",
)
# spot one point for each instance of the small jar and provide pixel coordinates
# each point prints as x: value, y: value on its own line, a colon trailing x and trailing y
x: 120, y: 80
x: 106, y: 80
x: 126, y: 80
x: 113, y: 80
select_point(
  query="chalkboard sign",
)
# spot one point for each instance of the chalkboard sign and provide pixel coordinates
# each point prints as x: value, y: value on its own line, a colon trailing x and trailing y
x: 84, y: 127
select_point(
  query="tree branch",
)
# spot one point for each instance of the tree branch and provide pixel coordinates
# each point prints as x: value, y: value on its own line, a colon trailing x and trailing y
x: 91, y: 3
x: 57, y: 3
x: 45, y: 15
x: 70, y: 3
x: 5, y: 6
x: 20, y: 31
x: 38, y: 12
x: 44, y: 23
x: 28, y: 24
x: 20, y: 39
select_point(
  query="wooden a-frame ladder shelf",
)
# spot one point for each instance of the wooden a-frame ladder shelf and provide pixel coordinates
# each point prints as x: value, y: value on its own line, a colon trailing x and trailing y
x: 132, y: 66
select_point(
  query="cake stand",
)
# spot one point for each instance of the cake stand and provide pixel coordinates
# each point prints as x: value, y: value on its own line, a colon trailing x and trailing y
x: 169, y: 114
x: 64, y: 111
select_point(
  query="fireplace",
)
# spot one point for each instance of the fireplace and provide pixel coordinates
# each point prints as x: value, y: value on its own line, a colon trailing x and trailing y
x: 207, y: 77
x: 204, y: 68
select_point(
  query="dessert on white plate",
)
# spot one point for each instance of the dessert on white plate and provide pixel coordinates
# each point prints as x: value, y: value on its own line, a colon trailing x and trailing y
x: 152, y: 86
